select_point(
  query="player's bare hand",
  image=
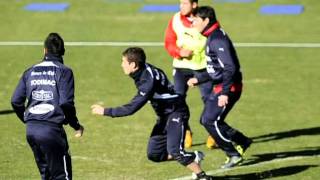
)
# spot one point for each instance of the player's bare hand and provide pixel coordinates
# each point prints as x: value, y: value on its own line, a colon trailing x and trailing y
x: 97, y: 109
x: 192, y: 82
x: 222, y: 100
x: 79, y: 132
x: 185, y: 53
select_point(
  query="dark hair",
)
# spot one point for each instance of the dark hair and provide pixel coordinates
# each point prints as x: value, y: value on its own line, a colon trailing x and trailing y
x: 206, y: 12
x: 54, y: 44
x: 136, y: 55
x: 193, y: 1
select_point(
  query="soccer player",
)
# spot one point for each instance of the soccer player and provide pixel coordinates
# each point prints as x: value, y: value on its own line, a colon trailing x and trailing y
x: 166, y: 141
x: 47, y: 88
x: 186, y: 46
x: 223, y: 69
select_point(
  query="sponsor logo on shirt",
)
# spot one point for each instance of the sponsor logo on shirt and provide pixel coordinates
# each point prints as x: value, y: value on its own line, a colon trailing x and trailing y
x: 176, y: 120
x: 43, y: 82
x: 42, y: 95
x: 142, y: 93
x: 41, y: 109
x: 36, y: 73
x: 221, y: 49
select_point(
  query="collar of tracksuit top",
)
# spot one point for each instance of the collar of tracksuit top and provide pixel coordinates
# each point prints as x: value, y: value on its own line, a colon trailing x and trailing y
x: 137, y: 74
x: 52, y: 57
x: 218, y: 88
x: 210, y: 29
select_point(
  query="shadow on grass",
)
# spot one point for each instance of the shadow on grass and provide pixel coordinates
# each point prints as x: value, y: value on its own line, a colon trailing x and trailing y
x: 258, y: 158
x: 284, y: 171
x: 287, y: 134
x: 279, y: 135
x: 199, y: 144
x: 4, y: 112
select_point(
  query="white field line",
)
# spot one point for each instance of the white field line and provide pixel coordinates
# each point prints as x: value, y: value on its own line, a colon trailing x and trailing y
x: 213, y: 172
x: 158, y: 44
x: 91, y: 159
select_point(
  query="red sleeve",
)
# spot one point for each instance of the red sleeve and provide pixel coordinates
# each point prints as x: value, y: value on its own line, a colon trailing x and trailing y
x: 170, y: 41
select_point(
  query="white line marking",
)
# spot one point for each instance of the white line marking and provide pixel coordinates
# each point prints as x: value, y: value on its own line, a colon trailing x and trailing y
x: 213, y: 172
x: 258, y: 81
x: 92, y: 159
x: 157, y: 44
x: 37, y: 43
x: 284, y: 45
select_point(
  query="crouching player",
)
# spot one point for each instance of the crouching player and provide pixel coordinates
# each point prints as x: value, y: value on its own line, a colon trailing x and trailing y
x: 166, y: 141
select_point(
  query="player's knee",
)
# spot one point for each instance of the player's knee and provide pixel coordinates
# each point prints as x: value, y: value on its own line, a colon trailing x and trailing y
x: 62, y: 176
x: 156, y: 157
x: 231, y: 132
x: 207, y: 120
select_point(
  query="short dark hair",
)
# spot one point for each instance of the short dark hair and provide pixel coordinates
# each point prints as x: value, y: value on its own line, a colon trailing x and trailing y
x: 136, y: 55
x: 54, y: 44
x: 193, y: 1
x: 206, y: 12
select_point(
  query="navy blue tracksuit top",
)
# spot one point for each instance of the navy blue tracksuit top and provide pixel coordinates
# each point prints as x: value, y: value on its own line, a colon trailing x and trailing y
x: 222, y: 61
x: 49, y: 89
x: 152, y: 84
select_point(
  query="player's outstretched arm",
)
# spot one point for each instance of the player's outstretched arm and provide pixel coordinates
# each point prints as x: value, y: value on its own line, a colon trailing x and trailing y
x: 97, y: 109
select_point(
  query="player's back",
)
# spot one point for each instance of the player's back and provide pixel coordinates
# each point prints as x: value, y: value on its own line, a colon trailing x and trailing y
x: 42, y: 90
x: 164, y: 100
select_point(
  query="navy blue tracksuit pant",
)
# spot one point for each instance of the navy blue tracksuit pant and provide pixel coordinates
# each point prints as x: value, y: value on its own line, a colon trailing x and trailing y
x: 213, y: 119
x: 50, y: 148
x: 167, y: 137
x: 181, y: 76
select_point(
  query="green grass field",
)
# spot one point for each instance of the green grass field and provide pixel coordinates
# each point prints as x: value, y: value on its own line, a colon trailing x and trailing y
x: 279, y: 107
